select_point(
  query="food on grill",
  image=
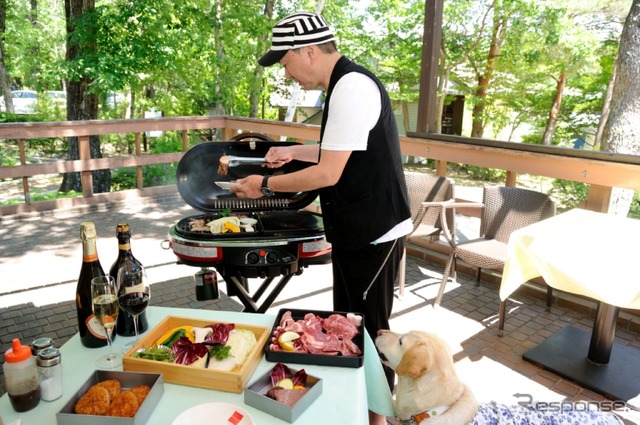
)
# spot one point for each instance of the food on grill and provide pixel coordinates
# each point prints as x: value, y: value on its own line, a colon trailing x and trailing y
x: 199, y: 225
x: 107, y: 398
x: 221, y: 225
x: 287, y: 388
x: 223, y: 167
x: 330, y: 336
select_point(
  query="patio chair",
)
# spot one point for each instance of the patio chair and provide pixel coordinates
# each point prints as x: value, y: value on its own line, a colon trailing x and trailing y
x: 426, y: 192
x: 504, y: 210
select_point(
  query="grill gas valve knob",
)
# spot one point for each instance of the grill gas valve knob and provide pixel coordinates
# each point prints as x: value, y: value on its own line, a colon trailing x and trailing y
x: 253, y: 258
x: 271, y: 257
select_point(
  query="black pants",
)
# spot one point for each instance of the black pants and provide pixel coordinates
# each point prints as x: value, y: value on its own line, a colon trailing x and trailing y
x: 353, y: 271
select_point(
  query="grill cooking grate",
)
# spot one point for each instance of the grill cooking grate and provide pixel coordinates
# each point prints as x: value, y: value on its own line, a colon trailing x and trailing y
x: 250, y: 204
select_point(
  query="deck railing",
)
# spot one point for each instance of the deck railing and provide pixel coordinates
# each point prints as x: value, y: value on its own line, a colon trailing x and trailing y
x: 602, y: 171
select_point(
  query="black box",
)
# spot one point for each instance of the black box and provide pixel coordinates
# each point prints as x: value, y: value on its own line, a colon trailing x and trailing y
x: 315, y: 359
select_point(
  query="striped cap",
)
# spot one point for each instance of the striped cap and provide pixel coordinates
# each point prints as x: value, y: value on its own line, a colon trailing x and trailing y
x: 297, y: 30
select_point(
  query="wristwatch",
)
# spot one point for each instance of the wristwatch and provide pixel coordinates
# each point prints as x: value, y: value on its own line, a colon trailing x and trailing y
x: 265, y: 189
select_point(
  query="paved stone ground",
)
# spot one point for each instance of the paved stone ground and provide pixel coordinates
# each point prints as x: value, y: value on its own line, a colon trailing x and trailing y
x: 40, y: 259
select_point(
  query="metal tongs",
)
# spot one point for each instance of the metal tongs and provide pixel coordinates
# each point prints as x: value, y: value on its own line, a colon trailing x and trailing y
x: 227, y: 161
x: 233, y: 161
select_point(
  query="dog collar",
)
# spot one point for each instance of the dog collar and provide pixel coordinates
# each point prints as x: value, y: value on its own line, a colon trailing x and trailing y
x: 417, y: 419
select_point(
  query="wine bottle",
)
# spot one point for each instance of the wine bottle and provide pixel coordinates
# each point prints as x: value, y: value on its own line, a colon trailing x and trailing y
x: 92, y: 333
x: 125, y: 325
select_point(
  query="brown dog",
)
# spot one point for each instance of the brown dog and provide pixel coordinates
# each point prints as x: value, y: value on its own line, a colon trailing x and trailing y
x: 428, y: 386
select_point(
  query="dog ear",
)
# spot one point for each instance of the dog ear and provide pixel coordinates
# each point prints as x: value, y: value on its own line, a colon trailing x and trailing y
x: 415, y: 361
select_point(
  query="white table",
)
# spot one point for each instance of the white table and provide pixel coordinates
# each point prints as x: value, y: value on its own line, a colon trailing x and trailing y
x: 593, y: 255
x: 347, y: 393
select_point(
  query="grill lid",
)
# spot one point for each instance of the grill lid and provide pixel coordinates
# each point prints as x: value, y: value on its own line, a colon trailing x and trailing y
x: 198, y: 171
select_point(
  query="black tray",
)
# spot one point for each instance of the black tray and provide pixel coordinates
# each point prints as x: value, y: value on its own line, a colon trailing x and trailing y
x: 315, y: 359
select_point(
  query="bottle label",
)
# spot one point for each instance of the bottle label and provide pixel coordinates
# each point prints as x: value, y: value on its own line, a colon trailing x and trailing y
x: 124, y: 246
x: 95, y: 327
x: 136, y: 288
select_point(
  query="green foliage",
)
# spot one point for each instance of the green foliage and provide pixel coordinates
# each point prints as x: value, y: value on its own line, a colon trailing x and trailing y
x: 634, y: 211
x: 36, y: 196
x: 154, y: 175
x: 568, y: 194
x: 482, y: 174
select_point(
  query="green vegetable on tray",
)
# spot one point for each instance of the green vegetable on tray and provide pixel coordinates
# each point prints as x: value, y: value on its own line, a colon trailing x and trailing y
x: 174, y: 337
x: 158, y: 353
x: 220, y: 352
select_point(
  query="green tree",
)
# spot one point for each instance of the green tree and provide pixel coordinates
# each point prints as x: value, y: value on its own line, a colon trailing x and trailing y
x: 621, y: 133
x: 82, y: 103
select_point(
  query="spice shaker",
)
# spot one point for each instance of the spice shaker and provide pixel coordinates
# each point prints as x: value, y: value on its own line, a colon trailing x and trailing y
x: 21, y: 376
x: 40, y: 344
x: 50, y: 371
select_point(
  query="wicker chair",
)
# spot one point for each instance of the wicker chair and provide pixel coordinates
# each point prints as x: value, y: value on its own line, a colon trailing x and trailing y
x: 426, y: 193
x: 504, y: 210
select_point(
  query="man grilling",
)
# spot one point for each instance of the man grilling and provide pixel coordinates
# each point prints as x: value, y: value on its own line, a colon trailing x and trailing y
x: 357, y: 169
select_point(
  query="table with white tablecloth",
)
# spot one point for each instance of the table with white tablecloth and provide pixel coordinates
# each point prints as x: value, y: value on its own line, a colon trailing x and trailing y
x: 593, y: 255
x: 347, y: 393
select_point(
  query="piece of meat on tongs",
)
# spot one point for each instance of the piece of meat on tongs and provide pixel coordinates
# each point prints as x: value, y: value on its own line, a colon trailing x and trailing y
x: 227, y: 161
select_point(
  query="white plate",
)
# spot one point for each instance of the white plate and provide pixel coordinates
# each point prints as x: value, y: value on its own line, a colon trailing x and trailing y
x: 214, y: 414
x: 226, y: 185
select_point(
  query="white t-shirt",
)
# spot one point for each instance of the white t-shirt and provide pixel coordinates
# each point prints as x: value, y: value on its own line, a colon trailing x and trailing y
x: 355, y: 109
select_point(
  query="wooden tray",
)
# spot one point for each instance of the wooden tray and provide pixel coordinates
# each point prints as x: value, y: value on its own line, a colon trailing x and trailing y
x: 233, y: 381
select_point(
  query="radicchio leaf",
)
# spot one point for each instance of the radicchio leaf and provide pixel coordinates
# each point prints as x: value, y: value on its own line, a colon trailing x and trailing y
x: 300, y: 378
x: 279, y: 372
x: 187, y: 352
x: 220, y: 333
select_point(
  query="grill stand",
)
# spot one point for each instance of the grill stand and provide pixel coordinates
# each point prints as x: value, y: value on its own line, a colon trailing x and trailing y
x: 250, y: 302
x: 238, y: 286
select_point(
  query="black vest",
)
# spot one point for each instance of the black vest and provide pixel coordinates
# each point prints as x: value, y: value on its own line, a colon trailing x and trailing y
x: 371, y: 196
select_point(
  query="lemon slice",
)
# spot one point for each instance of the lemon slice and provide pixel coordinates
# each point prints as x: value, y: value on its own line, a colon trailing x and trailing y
x: 285, y: 383
x: 286, y: 340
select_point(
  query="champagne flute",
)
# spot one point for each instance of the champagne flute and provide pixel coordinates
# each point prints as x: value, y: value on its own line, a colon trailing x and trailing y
x: 104, y: 297
x: 133, y: 294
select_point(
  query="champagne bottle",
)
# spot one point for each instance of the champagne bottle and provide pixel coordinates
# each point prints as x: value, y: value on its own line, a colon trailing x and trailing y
x: 125, y: 324
x: 92, y: 333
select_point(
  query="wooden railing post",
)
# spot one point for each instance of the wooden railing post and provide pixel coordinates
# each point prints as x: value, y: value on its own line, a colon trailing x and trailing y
x: 86, y: 177
x: 441, y: 168
x: 139, y: 167
x: 185, y: 140
x: 25, y: 179
x: 598, y: 199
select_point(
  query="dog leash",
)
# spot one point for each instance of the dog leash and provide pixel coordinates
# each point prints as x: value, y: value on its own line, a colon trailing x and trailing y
x: 364, y: 294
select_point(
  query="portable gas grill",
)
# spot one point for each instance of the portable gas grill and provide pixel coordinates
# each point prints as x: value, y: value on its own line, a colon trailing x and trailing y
x: 284, y: 241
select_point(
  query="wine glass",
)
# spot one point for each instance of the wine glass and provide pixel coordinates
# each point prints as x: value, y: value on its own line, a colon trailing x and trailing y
x: 104, y: 300
x: 133, y: 294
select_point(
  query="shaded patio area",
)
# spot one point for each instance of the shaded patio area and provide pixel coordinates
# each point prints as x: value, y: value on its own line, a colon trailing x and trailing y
x: 40, y: 261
